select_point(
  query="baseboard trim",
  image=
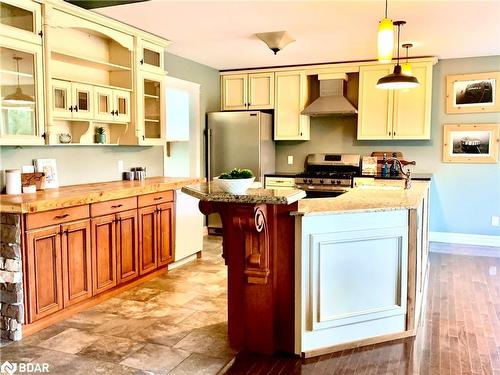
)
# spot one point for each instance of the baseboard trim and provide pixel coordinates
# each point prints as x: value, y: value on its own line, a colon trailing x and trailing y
x: 182, y: 261
x: 465, y: 239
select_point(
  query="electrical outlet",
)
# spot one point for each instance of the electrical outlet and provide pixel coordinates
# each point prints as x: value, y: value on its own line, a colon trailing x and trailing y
x: 120, y: 166
x: 290, y: 159
x: 495, y: 221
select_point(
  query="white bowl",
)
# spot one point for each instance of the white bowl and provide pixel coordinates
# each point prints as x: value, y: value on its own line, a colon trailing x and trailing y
x: 234, y: 186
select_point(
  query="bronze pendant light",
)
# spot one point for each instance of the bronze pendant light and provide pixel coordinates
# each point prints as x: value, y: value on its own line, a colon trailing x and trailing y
x: 397, y: 80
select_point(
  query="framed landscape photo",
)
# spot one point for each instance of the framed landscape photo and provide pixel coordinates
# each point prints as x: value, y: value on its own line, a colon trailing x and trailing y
x: 470, y: 143
x: 473, y: 93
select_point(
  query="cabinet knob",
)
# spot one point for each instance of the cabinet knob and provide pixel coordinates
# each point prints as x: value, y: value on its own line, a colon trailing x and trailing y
x: 71, y: 108
x: 389, y: 133
x: 76, y: 108
x: 142, y: 61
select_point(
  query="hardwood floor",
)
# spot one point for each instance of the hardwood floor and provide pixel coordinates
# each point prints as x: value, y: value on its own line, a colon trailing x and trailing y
x: 460, y: 332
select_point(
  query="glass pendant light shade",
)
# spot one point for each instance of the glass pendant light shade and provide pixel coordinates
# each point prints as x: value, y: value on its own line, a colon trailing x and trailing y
x: 406, y: 67
x: 397, y: 80
x: 385, y: 40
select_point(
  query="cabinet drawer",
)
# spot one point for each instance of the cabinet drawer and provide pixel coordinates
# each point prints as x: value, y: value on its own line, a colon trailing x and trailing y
x: 62, y: 215
x: 109, y: 207
x: 155, y: 198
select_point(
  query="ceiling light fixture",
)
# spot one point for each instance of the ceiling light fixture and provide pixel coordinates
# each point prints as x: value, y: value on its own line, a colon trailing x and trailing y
x: 397, y: 80
x: 385, y: 38
x: 406, y: 67
x: 276, y: 40
x: 18, y: 97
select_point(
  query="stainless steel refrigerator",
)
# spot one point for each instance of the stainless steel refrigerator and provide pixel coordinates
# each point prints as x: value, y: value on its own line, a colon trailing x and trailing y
x: 239, y: 140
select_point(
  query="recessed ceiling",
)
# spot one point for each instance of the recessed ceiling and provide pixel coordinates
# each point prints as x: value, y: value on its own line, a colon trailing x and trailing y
x: 221, y: 34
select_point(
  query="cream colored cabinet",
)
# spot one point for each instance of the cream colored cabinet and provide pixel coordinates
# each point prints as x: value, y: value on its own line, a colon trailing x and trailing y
x: 247, y: 91
x: 151, y: 57
x: 111, y: 104
x: 290, y: 99
x: 21, y: 88
x: 72, y: 100
x: 152, y: 111
x: 394, y: 114
x: 21, y: 19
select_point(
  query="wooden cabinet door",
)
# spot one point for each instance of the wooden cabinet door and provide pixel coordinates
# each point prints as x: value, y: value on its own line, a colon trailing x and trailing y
x: 412, y: 107
x: 127, y: 251
x: 121, y: 100
x: 76, y: 262
x: 148, y: 239
x: 165, y: 226
x: 375, y: 105
x: 261, y: 90
x: 291, y: 98
x: 22, y: 20
x: 103, y: 103
x: 83, y: 101
x: 234, y: 92
x: 103, y: 253
x: 45, y: 284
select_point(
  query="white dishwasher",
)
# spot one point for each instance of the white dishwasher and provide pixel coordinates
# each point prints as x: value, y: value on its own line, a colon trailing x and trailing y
x: 188, y: 226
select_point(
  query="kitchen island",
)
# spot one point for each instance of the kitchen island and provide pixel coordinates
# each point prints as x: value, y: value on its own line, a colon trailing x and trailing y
x: 359, y: 263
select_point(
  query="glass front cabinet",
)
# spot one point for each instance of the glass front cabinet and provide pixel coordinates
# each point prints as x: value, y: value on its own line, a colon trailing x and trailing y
x: 21, y: 19
x: 22, y: 114
x: 153, y: 111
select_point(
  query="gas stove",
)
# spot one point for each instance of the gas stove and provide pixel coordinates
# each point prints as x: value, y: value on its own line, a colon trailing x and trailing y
x: 328, y: 175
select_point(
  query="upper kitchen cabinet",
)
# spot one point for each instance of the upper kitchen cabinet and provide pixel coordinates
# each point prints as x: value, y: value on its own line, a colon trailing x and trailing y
x: 394, y: 114
x: 22, y: 105
x: 151, y: 114
x: 247, y: 91
x: 90, y: 74
x: 290, y: 99
x: 22, y: 20
x: 151, y: 57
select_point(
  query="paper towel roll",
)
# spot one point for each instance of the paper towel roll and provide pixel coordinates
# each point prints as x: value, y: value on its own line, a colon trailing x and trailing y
x: 13, y: 181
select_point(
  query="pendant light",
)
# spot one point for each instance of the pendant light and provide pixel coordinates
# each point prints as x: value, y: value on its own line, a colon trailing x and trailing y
x: 406, y: 67
x: 18, y: 98
x: 385, y: 39
x: 397, y: 80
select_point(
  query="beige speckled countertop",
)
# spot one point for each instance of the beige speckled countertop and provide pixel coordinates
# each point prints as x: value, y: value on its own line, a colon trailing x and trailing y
x: 366, y: 199
x: 76, y: 195
x: 209, y: 192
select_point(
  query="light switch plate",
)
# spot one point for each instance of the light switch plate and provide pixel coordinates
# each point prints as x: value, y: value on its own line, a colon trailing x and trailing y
x: 290, y: 159
x: 495, y: 221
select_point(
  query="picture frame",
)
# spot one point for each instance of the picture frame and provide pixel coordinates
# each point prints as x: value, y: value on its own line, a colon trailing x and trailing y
x: 473, y: 93
x: 470, y: 143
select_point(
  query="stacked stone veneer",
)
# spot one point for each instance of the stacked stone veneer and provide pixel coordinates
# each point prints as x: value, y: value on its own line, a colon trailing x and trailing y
x: 11, y: 277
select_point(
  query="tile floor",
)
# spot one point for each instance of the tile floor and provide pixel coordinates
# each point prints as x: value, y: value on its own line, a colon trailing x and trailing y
x: 174, y: 324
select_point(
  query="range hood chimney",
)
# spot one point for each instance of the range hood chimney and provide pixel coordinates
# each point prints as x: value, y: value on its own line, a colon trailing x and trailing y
x: 331, y: 100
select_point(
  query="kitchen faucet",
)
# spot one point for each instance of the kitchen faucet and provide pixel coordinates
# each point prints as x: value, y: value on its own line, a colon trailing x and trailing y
x: 407, y: 175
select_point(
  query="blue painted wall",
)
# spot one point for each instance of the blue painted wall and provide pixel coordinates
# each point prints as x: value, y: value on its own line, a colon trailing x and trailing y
x: 464, y: 196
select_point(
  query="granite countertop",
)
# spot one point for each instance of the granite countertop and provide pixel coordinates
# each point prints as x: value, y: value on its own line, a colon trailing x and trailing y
x: 209, y: 192
x: 75, y: 195
x: 366, y: 199
x: 414, y: 177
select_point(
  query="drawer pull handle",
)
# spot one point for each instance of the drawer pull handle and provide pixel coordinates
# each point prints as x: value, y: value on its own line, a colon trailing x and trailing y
x: 61, y: 216
x: 117, y: 206
x: 158, y: 198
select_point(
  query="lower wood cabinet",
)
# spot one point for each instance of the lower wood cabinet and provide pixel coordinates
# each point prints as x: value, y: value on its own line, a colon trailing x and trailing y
x: 165, y: 233
x: 76, y: 262
x: 127, y: 250
x: 148, y: 239
x: 155, y: 236
x: 44, y: 269
x: 103, y: 253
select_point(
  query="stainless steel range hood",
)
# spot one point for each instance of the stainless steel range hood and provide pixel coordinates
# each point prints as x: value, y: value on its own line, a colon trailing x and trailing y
x: 331, y: 100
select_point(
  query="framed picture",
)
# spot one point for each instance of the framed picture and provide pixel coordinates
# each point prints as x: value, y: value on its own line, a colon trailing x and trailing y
x: 49, y: 167
x: 473, y: 93
x: 470, y: 143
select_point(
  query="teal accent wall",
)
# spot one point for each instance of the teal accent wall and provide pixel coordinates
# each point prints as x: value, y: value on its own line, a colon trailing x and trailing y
x: 464, y: 196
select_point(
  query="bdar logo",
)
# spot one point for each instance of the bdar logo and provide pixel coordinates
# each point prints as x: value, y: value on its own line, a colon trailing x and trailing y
x: 8, y: 368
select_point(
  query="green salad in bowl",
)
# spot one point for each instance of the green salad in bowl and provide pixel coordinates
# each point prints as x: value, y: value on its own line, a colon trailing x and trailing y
x: 236, y: 181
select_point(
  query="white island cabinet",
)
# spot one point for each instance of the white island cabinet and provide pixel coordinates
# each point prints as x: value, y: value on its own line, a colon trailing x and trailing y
x: 361, y: 262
